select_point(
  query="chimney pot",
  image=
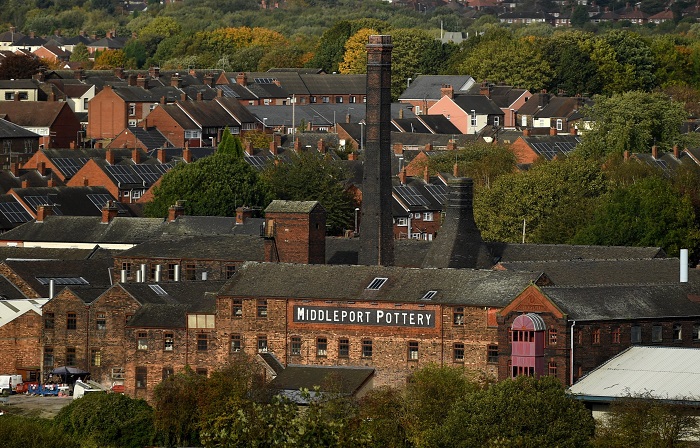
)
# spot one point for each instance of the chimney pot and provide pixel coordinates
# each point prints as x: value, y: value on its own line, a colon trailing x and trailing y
x: 178, y: 209
x: 43, y: 211
x: 109, y: 212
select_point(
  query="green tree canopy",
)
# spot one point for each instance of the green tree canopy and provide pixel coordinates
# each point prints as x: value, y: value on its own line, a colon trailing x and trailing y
x: 525, y: 412
x: 535, y: 196
x: 109, y: 420
x: 632, y: 121
x: 649, y: 212
x: 483, y: 162
x: 230, y: 144
x: 311, y: 177
x: 212, y: 186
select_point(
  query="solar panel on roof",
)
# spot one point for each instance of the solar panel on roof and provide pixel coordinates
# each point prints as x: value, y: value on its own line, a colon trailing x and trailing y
x: 228, y: 91
x: 35, y: 201
x: 69, y: 166
x: 14, y: 212
x: 257, y: 162
x: 124, y: 174
x: 158, y: 290
x: 100, y: 200
x: 439, y: 192
x: 264, y: 80
x: 410, y: 195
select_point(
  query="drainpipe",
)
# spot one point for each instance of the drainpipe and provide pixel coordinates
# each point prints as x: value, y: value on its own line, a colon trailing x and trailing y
x: 571, y: 373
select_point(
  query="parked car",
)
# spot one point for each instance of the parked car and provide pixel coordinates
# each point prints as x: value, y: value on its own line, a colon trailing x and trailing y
x: 8, y: 383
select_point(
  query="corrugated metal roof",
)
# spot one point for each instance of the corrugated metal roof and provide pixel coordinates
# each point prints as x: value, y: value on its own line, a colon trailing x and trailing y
x: 663, y: 372
x: 12, y: 309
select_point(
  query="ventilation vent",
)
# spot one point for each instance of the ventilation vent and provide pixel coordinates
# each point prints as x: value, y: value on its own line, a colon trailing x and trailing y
x: 377, y: 283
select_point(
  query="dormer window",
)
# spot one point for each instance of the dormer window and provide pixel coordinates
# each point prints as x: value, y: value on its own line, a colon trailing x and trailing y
x: 377, y: 283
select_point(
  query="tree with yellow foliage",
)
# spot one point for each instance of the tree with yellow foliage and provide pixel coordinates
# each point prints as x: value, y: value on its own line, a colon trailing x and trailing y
x: 355, y: 59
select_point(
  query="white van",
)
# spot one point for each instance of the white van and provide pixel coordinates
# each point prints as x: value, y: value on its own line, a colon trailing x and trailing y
x: 8, y: 383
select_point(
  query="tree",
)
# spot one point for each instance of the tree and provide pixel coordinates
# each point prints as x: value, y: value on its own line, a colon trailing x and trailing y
x: 355, y: 55
x: 579, y: 16
x: 109, y: 420
x: 18, y: 66
x: 574, y: 72
x: 111, y: 59
x: 80, y: 53
x: 415, y: 51
x: 517, y: 62
x: 211, y: 186
x: 643, y: 422
x: 635, y: 58
x: 632, y: 121
x: 177, y: 414
x: 383, y: 416
x: 647, y: 213
x: 24, y: 432
x: 483, y: 162
x: 525, y: 412
x: 534, y: 197
x: 330, y: 51
x: 312, y: 177
x: 230, y: 144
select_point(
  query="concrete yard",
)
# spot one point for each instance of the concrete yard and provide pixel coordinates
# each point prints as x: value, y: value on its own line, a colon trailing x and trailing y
x: 34, y: 406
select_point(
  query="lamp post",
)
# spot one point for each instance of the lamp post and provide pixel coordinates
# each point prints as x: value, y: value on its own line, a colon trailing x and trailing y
x: 357, y: 211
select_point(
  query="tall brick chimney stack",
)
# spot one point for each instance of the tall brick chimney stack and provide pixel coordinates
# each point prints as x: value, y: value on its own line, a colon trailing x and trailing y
x: 377, y: 237
x: 178, y: 209
x: 109, y: 212
x: 42, y: 212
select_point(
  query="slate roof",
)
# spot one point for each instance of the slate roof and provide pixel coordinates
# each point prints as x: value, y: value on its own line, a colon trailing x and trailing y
x: 68, y: 201
x: 170, y: 310
x: 333, y: 379
x: 88, y: 229
x: 134, y: 94
x: 202, y: 247
x: 11, y: 130
x: 32, y: 113
x: 27, y: 84
x: 439, y: 124
x: 603, y: 272
x: 8, y: 291
x: 551, y: 252
x: 11, y: 36
x: 427, y: 87
x: 86, y: 293
x: 279, y: 206
x: 479, y: 103
x: 459, y: 286
x: 550, y: 146
x: 323, y: 84
x: 664, y: 373
x: 415, y: 196
x: 151, y: 138
x: 47, y: 253
x: 562, y: 107
x: 411, y: 125
x: 95, y: 271
x: 407, y: 253
x: 615, y: 302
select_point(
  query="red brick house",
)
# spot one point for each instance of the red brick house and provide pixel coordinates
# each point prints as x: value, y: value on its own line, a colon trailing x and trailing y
x: 114, y: 108
x: 20, y: 335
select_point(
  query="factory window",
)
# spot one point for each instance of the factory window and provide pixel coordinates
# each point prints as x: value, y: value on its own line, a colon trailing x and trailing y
x: 262, y: 344
x: 172, y: 267
x: 48, y: 356
x: 101, y: 322
x: 167, y: 373
x: 321, y: 347
x: 552, y: 336
x: 202, y: 342
x: 458, y: 315
x: 141, y: 377
x: 48, y: 321
x: 677, y: 332
x: 127, y: 267
x: 190, y: 271
x: 412, y: 350
x: 595, y: 336
x: 366, y: 348
x: 237, y: 310
x: 458, y: 352
x: 262, y: 308
x: 616, y: 335
x: 492, y: 353
x: 71, y: 321
x: 656, y: 333
x: 636, y: 334
x: 696, y: 332
x: 236, y: 343
x: 325, y: 99
x: 168, y: 342
x: 343, y: 348
x: 142, y: 341
x: 295, y: 346
x: 95, y: 358
x: 230, y: 270
x: 202, y: 371
x: 70, y: 356
x: 352, y: 99
x: 552, y: 368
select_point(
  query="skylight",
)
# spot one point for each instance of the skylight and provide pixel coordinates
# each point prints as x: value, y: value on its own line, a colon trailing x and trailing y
x: 377, y: 283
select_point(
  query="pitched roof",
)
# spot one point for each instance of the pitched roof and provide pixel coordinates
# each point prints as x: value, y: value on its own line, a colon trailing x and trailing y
x: 87, y: 229
x: 68, y: 201
x: 12, y: 309
x: 279, y: 206
x: 207, y: 247
x: 551, y: 252
x: 610, y: 302
x: 468, y: 287
x: 11, y: 130
x: 427, y: 87
x: 95, y: 272
x: 550, y: 146
x: 331, y: 379
x: 663, y: 373
x: 32, y: 113
x: 479, y: 103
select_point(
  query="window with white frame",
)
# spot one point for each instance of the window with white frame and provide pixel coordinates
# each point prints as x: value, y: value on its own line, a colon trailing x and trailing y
x: 473, y: 120
x: 132, y: 109
x: 192, y: 134
x: 560, y: 124
x: 496, y: 121
x: 427, y: 216
x: 402, y: 222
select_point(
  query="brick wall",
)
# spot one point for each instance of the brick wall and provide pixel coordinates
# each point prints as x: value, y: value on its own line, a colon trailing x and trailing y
x: 106, y: 115
x: 70, y: 328
x: 20, y: 344
x: 299, y: 237
x: 215, y: 269
x: 160, y: 119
